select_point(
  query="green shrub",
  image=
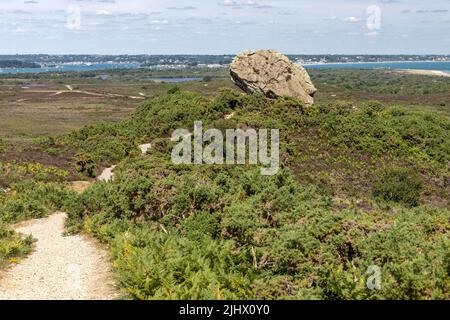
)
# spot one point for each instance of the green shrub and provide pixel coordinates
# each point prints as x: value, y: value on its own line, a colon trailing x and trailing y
x: 12, y: 246
x: 399, y: 185
x: 3, y: 145
x: 426, y: 131
x: 32, y: 200
x: 14, y: 172
x: 85, y: 164
x: 200, y: 225
x: 152, y: 265
x: 173, y: 90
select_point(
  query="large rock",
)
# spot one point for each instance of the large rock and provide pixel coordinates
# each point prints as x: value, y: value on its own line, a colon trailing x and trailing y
x: 272, y: 74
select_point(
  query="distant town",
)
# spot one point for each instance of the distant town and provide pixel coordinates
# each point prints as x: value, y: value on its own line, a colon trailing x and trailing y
x: 179, y: 62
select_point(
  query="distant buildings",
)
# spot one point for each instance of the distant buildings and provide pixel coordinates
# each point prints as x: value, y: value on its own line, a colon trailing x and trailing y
x: 180, y: 62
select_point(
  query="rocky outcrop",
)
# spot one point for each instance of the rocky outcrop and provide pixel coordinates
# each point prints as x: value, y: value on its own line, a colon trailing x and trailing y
x: 272, y: 74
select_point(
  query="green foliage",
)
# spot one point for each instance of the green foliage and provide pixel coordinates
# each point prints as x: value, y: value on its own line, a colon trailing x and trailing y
x: 152, y: 265
x: 105, y: 144
x: 425, y: 131
x: 173, y: 90
x: 381, y: 82
x: 399, y: 185
x: 13, y: 172
x: 97, y: 145
x: 3, y: 145
x: 200, y: 225
x: 85, y: 165
x: 243, y: 235
x: 362, y: 129
x: 12, y: 246
x: 31, y: 200
x: 343, y: 146
x: 226, y: 232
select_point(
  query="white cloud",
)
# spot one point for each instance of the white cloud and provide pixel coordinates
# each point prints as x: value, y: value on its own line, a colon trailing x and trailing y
x: 371, y: 34
x: 103, y: 13
x: 351, y: 19
x: 156, y: 22
x: 228, y: 3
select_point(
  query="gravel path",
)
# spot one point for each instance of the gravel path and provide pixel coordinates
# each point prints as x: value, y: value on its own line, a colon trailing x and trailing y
x: 60, y: 268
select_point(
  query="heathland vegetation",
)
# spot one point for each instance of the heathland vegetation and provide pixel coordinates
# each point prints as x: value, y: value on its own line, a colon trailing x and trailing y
x: 364, y: 182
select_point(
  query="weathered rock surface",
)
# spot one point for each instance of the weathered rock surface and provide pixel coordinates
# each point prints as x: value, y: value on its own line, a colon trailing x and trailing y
x: 272, y: 74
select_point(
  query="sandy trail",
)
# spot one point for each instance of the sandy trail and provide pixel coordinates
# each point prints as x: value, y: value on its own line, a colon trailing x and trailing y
x: 71, y: 90
x: 60, y: 268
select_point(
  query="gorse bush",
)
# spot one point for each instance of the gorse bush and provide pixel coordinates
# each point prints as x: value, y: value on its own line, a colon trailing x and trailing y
x: 342, y: 148
x: 173, y: 90
x: 84, y: 164
x: 12, y: 246
x: 3, y: 145
x: 14, y: 172
x: 399, y: 185
x: 98, y: 144
x: 30, y: 200
x: 424, y: 130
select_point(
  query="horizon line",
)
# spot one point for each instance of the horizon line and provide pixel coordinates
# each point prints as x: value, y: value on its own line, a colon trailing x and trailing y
x: 223, y: 54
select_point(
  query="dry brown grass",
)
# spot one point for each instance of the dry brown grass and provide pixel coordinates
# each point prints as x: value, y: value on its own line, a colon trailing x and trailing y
x: 37, y: 108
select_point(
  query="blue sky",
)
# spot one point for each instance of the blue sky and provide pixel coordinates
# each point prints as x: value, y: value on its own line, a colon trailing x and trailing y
x: 224, y: 26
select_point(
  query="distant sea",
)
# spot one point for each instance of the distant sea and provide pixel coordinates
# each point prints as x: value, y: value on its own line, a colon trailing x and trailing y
x: 419, y: 65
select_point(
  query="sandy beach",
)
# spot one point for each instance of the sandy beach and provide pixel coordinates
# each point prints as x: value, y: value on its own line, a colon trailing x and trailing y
x: 425, y: 72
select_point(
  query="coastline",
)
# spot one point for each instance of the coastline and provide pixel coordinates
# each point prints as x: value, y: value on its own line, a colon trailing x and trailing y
x: 364, y: 62
x: 395, y: 68
x: 436, y: 73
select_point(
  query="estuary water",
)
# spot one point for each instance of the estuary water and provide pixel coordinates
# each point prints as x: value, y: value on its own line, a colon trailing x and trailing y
x: 419, y: 65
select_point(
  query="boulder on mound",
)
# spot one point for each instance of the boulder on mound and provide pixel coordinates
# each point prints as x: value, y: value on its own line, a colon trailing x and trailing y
x: 272, y: 74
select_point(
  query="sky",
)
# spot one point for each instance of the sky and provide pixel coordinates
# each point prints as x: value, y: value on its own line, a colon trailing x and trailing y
x: 224, y: 26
